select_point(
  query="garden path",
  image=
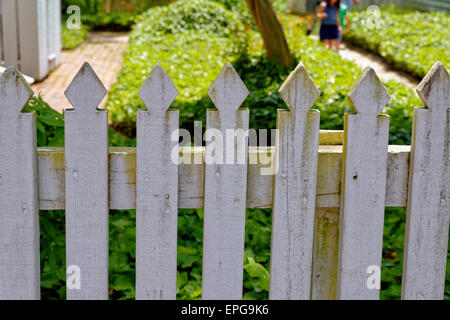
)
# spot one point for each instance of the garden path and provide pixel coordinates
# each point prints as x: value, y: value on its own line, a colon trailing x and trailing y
x: 384, y: 70
x: 365, y: 58
x: 103, y: 50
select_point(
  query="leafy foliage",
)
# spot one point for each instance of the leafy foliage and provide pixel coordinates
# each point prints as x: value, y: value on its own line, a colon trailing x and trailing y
x: 72, y: 38
x: 192, y: 40
x: 49, y: 123
x: 332, y: 74
x: 112, y: 21
x: 86, y: 6
x: 159, y: 36
x: 411, y: 41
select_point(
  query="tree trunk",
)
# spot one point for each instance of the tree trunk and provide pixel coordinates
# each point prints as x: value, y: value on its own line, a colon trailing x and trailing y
x: 271, y: 31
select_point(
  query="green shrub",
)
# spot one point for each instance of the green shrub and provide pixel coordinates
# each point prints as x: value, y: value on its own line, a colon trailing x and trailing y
x: 332, y: 74
x: 411, y: 41
x: 72, y: 38
x: 86, y: 6
x: 189, y: 67
x: 192, y: 40
x: 49, y: 123
x: 112, y: 21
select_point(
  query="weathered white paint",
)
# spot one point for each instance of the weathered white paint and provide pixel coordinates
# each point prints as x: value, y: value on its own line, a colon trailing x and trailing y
x: 19, y: 221
x: 294, y: 191
x: 364, y: 194
x: 28, y: 79
x: 325, y: 258
x: 225, y: 193
x: 428, y: 210
x: 86, y: 180
x: 122, y: 178
x: 157, y: 190
x: 366, y: 139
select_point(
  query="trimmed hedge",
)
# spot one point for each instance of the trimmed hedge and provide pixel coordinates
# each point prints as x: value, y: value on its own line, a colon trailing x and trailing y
x: 411, y: 41
x: 72, y: 38
x: 192, y: 40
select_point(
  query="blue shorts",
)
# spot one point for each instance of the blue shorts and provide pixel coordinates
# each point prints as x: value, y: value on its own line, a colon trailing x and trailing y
x: 329, y: 32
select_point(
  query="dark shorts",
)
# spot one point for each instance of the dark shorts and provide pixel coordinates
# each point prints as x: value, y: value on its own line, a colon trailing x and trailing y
x: 311, y: 6
x: 329, y: 32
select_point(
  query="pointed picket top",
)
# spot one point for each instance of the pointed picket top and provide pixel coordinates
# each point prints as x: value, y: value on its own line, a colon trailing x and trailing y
x: 86, y: 90
x: 368, y: 95
x: 158, y: 91
x: 228, y: 92
x: 14, y: 91
x: 299, y: 91
x: 434, y: 89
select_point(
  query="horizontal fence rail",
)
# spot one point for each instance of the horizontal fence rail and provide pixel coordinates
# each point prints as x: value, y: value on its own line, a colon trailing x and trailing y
x: 327, y: 189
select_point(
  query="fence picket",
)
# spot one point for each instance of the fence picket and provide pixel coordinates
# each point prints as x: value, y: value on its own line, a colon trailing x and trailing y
x: 428, y: 208
x: 364, y: 172
x: 86, y: 172
x: 294, y: 194
x: 225, y: 190
x: 19, y: 219
x: 318, y: 251
x: 325, y: 257
x: 157, y: 190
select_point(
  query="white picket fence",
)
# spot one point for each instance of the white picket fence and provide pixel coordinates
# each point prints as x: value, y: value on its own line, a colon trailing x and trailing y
x: 328, y: 199
x: 30, y: 35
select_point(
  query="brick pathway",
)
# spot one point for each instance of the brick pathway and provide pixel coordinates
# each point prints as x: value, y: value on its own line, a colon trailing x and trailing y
x: 103, y: 51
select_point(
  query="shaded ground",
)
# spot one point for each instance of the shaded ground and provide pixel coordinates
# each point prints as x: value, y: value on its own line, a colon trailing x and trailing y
x: 103, y: 50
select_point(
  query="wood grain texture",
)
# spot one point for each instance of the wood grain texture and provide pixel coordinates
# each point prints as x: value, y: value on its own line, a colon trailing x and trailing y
x: 325, y: 258
x: 225, y: 192
x: 428, y: 209
x: 294, y: 192
x: 19, y: 220
x: 86, y: 180
x: 122, y: 178
x: 366, y: 138
x: 157, y: 190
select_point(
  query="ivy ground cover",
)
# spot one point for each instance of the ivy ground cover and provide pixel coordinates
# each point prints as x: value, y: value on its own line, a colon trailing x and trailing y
x: 410, y: 41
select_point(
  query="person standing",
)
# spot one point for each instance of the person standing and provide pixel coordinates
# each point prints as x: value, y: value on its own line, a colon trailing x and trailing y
x: 330, y: 26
